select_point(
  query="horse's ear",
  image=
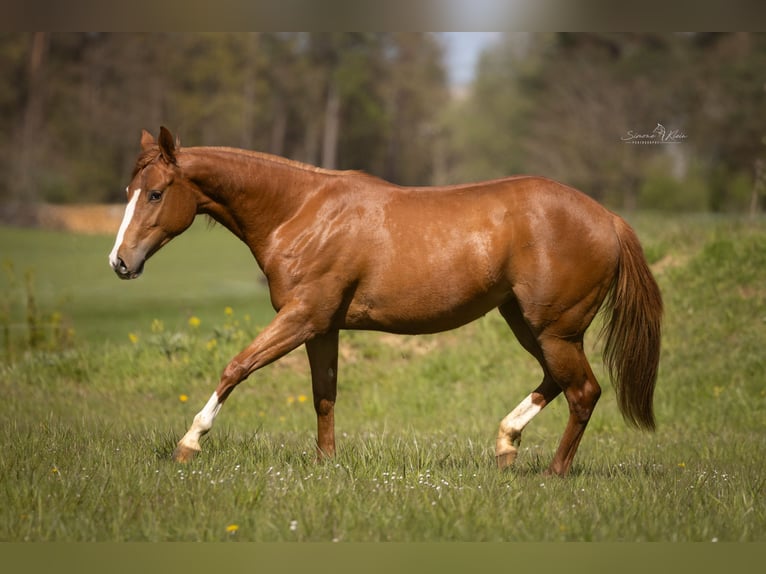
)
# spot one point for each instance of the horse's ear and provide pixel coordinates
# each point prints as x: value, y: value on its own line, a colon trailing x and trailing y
x: 167, y: 146
x: 147, y: 140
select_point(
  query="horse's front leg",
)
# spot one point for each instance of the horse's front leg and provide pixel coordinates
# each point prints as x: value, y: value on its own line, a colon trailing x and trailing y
x: 323, y: 358
x: 290, y: 328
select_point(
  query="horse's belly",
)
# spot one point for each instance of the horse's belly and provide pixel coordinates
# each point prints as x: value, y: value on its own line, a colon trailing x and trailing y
x: 428, y: 276
x: 430, y: 307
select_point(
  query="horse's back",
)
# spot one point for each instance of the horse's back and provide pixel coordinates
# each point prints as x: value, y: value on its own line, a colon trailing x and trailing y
x: 507, y: 217
x: 436, y: 258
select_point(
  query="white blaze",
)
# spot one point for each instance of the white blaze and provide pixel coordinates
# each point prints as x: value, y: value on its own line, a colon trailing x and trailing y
x: 129, y: 210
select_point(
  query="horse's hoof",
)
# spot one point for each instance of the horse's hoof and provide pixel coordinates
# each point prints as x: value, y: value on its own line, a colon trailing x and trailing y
x: 506, y: 459
x: 183, y: 453
x: 551, y: 471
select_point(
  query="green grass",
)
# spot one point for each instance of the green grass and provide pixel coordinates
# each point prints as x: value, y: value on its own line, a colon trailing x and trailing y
x: 199, y: 273
x: 88, y: 426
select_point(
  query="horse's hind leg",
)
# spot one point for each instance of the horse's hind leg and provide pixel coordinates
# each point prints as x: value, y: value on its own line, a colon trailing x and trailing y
x: 570, y: 369
x: 509, y: 433
x: 565, y: 369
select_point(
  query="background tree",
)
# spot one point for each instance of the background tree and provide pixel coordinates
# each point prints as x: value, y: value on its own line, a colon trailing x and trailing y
x: 72, y: 105
x: 569, y: 100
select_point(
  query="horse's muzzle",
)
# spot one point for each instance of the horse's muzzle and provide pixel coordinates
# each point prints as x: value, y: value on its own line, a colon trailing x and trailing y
x: 123, y: 272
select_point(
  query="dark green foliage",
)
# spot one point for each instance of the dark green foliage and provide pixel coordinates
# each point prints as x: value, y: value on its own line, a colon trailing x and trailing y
x: 560, y: 105
x: 72, y: 106
x: 70, y: 127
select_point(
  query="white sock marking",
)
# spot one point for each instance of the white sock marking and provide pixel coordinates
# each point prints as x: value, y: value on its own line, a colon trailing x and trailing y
x: 126, y: 219
x: 203, y: 422
x: 207, y: 415
x: 519, y: 417
x: 509, y: 434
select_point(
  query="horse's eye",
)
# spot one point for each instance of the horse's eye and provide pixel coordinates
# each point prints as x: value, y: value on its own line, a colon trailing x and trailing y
x: 155, y: 195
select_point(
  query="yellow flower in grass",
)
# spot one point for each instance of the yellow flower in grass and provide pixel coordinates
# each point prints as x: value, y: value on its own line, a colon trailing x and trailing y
x: 232, y: 528
x: 211, y: 344
x: 228, y: 311
x: 183, y: 398
x: 194, y: 322
x: 302, y: 398
x: 133, y: 338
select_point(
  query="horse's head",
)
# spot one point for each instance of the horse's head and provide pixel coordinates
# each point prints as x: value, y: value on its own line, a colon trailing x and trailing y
x: 161, y: 205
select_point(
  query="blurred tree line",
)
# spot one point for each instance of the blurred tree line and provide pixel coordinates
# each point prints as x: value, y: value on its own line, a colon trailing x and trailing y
x: 561, y: 105
x: 72, y: 105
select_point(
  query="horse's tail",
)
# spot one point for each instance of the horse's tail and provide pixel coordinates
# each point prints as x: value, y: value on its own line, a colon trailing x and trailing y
x: 632, y: 348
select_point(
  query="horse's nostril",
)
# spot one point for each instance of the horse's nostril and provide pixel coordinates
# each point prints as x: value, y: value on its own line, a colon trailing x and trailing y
x: 123, y: 271
x: 121, y: 268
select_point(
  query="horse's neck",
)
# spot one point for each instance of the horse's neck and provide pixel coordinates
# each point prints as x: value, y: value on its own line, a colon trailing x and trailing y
x: 248, y: 193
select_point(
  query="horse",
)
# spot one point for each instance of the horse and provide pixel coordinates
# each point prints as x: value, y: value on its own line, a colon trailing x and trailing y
x: 346, y: 250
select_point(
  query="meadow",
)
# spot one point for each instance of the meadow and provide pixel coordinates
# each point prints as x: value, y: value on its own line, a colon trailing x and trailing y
x: 99, y: 379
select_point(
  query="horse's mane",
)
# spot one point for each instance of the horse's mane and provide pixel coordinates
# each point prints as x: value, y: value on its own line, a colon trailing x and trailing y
x: 267, y: 157
x: 152, y: 153
x: 147, y: 156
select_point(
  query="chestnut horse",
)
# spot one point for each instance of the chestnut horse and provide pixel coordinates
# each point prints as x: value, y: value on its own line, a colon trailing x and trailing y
x: 345, y: 250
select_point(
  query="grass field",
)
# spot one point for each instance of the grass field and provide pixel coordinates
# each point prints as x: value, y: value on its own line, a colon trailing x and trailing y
x: 101, y: 377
